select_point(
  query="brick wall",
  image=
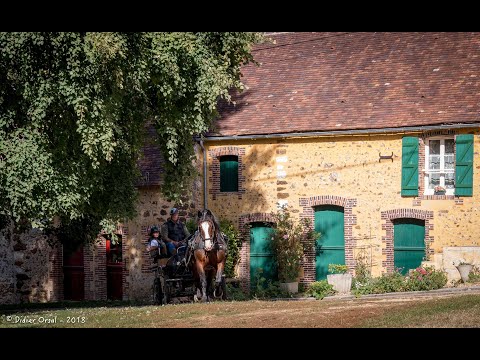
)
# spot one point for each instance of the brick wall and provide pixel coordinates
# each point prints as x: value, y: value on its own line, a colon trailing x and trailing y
x: 244, y: 265
x: 214, y: 170
x: 297, y: 171
x: 308, y: 205
x: 387, y: 240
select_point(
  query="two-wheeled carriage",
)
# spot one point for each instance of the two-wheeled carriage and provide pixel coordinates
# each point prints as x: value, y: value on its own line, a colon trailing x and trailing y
x: 173, y: 277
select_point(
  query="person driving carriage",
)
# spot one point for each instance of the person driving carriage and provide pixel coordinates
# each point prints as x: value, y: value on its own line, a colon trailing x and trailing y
x: 174, y: 232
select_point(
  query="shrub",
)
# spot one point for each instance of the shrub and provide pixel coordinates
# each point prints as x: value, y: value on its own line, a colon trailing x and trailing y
x: 362, y: 272
x: 235, y: 293
x: 233, y: 257
x: 320, y: 289
x: 191, y: 226
x: 391, y: 282
x: 474, y: 275
x: 288, y: 241
x: 264, y: 289
x: 425, y: 279
x: 337, y: 269
x: 419, y: 279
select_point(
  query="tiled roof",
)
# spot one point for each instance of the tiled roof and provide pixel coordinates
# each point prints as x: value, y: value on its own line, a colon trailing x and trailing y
x: 339, y: 81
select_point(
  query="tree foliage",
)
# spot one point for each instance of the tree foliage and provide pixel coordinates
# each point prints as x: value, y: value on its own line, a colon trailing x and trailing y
x: 73, y: 109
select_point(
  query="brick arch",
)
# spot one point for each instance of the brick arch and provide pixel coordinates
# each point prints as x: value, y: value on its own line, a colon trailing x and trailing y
x: 308, y: 205
x: 243, y: 221
x: 388, y: 217
x: 214, y: 172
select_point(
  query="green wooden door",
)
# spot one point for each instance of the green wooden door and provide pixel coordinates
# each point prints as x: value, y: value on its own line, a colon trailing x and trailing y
x: 408, y: 244
x: 261, y: 255
x: 329, y: 221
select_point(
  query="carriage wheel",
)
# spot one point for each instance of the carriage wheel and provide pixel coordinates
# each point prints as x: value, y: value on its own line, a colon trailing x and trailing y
x: 223, y: 284
x: 166, y: 290
x: 160, y: 293
x: 157, y: 292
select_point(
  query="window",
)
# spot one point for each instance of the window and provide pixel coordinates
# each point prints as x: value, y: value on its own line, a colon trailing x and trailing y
x: 229, y: 173
x: 440, y: 165
x: 448, y: 166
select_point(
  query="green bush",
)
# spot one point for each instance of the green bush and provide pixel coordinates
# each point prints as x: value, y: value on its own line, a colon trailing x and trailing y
x: 234, y: 244
x: 265, y: 289
x: 236, y: 293
x: 392, y: 282
x: 474, y: 275
x: 320, y: 289
x: 425, y: 279
x: 191, y: 226
x: 337, y: 269
x: 418, y: 279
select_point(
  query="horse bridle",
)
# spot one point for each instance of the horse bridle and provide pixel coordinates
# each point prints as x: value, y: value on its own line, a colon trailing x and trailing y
x: 209, y: 243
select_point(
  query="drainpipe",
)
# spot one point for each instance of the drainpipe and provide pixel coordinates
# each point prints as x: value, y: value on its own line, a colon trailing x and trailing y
x: 405, y: 129
x: 204, y: 174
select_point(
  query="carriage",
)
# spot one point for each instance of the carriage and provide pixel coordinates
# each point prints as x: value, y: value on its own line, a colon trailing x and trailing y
x: 178, y: 276
x: 173, y: 277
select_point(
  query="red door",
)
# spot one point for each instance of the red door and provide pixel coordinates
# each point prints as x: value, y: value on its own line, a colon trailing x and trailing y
x: 73, y: 274
x: 114, y: 269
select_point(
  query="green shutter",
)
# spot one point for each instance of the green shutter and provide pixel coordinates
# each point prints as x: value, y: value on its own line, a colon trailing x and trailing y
x: 228, y: 173
x: 410, y: 166
x: 464, y: 165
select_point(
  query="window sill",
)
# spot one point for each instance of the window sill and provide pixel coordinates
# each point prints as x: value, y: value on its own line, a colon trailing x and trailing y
x: 437, y: 197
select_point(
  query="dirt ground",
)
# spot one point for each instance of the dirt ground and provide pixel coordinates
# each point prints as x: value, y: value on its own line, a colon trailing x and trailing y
x: 288, y: 314
x: 435, y: 310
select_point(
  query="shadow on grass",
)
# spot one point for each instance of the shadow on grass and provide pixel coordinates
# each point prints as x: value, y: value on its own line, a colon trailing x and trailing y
x: 31, y: 307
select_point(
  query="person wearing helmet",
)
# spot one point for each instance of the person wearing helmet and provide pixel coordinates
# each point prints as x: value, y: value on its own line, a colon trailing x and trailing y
x: 174, y: 232
x: 156, y: 244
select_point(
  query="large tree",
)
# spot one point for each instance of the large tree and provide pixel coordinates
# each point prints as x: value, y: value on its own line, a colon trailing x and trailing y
x: 73, y: 108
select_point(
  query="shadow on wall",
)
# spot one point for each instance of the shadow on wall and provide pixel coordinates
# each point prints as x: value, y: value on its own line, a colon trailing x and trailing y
x: 24, y: 266
x: 258, y: 183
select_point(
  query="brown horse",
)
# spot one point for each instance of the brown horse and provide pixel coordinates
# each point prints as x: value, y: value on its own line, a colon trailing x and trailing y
x: 210, y: 253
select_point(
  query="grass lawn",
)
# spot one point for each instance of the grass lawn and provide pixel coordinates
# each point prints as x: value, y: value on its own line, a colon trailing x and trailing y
x: 456, y: 312
x: 444, y: 311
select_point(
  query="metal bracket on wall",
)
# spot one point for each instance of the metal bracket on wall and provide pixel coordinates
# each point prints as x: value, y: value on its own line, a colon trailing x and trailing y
x: 385, y: 157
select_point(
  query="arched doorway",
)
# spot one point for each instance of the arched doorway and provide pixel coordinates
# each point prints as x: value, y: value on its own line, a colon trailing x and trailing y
x: 261, y: 256
x: 408, y: 243
x: 330, y: 248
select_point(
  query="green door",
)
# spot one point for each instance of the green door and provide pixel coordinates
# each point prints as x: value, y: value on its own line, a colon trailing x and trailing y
x: 261, y: 255
x: 408, y: 243
x: 331, y: 245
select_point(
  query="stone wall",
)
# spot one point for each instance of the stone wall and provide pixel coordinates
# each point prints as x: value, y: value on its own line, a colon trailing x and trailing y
x: 294, y: 171
x: 7, y: 269
x: 30, y: 268
x: 152, y: 209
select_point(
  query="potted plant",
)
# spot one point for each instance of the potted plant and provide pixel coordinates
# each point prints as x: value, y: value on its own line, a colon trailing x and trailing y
x: 439, y: 190
x: 464, y: 269
x: 289, y: 239
x: 339, y: 278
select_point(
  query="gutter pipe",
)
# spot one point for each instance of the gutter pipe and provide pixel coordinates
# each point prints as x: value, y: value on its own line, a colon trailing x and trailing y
x: 204, y: 173
x: 335, y: 132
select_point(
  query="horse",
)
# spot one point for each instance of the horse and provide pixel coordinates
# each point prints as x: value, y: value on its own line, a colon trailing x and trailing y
x: 210, y: 253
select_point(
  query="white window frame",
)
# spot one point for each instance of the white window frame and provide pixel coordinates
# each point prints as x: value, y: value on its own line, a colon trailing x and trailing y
x: 442, y: 139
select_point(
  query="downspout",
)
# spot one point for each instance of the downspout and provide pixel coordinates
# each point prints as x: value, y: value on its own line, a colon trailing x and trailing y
x: 405, y: 129
x: 204, y: 174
